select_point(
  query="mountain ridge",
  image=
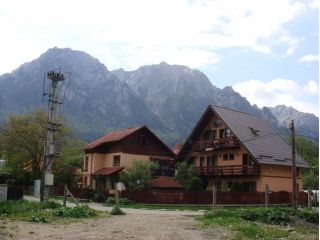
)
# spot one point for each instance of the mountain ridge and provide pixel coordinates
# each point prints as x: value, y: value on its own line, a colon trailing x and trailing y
x: 168, y: 98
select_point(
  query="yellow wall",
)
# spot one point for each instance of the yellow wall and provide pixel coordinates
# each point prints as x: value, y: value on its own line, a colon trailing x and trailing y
x: 97, y: 161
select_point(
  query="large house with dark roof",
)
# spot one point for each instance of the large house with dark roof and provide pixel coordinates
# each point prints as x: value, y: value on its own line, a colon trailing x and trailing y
x: 107, y: 156
x: 236, y: 150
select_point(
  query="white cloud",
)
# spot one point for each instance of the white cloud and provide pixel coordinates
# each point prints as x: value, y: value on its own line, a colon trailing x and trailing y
x: 309, y: 58
x: 281, y: 91
x: 194, y: 29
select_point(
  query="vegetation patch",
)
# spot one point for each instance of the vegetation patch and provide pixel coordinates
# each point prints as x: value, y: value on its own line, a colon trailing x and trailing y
x: 43, y: 212
x: 117, y: 211
x: 262, y: 223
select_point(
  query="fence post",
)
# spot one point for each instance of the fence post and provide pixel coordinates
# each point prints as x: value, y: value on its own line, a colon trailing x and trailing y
x: 116, y: 194
x: 266, y: 196
x: 214, y: 196
x: 309, y: 198
x: 65, y: 195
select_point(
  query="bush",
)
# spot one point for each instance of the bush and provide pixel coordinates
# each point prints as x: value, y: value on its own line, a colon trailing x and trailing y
x: 81, y: 211
x: 38, y: 218
x: 195, y: 184
x: 21, y: 206
x: 117, y: 211
x: 309, y: 215
x: 280, y: 216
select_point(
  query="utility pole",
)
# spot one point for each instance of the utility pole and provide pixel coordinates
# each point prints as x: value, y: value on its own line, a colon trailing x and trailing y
x: 51, y: 146
x: 294, y: 170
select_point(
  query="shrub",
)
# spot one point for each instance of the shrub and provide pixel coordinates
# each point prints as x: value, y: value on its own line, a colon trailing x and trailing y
x: 81, y: 211
x: 268, y: 215
x: 195, y: 184
x: 21, y: 206
x: 117, y: 211
x: 38, y: 218
x: 308, y: 215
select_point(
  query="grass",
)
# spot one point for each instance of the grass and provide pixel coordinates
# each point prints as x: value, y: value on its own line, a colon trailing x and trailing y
x: 44, y: 212
x: 260, y: 223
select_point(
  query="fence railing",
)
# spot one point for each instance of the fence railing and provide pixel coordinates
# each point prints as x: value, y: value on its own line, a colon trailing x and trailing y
x: 215, y: 144
x: 205, y: 197
x: 238, y: 170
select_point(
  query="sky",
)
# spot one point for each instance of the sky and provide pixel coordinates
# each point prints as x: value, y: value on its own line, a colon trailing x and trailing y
x: 267, y: 50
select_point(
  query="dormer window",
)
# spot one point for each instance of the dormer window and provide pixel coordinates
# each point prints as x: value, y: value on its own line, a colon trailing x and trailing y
x: 255, y: 132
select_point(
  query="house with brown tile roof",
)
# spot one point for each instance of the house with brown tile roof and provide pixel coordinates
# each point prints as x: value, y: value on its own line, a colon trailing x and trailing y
x: 232, y: 150
x: 117, y: 150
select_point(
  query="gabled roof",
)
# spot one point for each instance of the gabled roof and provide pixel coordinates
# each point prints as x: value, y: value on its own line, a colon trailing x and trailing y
x: 257, y: 136
x: 119, y: 135
x: 113, y: 136
x: 165, y: 182
x: 108, y: 171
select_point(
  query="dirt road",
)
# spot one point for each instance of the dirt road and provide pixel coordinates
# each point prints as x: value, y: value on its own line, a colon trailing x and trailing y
x: 130, y: 226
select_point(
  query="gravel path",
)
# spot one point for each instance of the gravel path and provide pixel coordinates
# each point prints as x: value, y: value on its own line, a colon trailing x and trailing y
x: 137, y: 224
x: 130, y: 226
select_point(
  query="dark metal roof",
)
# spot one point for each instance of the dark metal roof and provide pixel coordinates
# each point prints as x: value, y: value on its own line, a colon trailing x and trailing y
x: 258, y: 137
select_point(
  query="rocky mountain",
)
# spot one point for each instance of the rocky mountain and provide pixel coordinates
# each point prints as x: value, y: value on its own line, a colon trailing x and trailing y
x: 168, y: 98
x: 96, y: 100
x: 179, y: 95
x: 305, y: 123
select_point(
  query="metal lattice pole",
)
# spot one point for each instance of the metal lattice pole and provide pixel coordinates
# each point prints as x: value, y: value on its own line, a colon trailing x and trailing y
x: 51, y: 144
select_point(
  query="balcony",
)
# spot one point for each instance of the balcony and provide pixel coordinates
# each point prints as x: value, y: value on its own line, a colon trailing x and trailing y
x: 234, y: 170
x: 216, y: 144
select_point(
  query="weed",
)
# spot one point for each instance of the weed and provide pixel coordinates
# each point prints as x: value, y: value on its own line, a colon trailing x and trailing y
x: 117, y: 211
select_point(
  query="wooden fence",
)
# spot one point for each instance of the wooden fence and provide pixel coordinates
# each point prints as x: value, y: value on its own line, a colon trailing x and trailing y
x: 230, y: 197
x: 205, y: 197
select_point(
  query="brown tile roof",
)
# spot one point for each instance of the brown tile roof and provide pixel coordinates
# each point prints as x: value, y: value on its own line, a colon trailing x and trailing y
x: 259, y: 138
x: 176, y: 149
x: 165, y: 182
x: 108, y: 171
x: 112, y: 137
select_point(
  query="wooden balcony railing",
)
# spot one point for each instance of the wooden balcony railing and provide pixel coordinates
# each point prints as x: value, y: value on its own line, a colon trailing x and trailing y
x: 223, y: 143
x: 234, y: 170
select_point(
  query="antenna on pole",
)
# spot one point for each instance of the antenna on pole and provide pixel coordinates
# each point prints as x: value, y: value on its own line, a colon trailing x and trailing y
x: 52, y: 146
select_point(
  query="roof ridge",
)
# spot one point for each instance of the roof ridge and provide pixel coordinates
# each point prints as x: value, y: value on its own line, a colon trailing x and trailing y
x: 234, y: 110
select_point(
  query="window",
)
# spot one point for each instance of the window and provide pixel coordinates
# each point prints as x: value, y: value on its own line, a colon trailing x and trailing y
x: 228, y: 156
x: 247, y: 159
x: 86, y: 163
x: 202, y: 162
x: 249, y: 186
x: 210, y: 135
x: 209, y: 161
x: 206, y: 135
x: 116, y: 160
x: 221, y: 133
x: 212, y: 160
x: 136, y: 140
x: 145, y: 141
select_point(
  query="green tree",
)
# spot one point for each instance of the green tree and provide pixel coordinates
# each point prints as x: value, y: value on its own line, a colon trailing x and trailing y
x: 195, y: 184
x: 69, y: 166
x: 22, y: 144
x: 309, y: 151
x: 185, y: 172
x: 139, y: 175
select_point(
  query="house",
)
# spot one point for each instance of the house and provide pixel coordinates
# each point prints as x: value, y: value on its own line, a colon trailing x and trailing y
x: 239, y: 151
x: 107, y: 156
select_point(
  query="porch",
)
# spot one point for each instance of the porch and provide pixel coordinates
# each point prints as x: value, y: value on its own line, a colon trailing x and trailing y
x: 215, y: 144
x: 232, y: 170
